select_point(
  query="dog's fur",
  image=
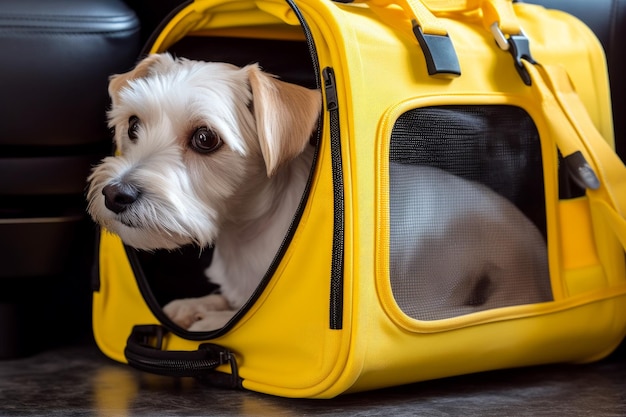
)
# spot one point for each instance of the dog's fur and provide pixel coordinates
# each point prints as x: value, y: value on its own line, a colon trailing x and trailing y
x: 458, y: 247
x: 164, y: 191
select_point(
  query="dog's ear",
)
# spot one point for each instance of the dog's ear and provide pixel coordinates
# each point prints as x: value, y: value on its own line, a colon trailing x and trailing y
x: 285, y: 114
x: 145, y: 67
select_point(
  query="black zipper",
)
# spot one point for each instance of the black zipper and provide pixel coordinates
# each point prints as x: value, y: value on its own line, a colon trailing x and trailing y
x: 336, y: 272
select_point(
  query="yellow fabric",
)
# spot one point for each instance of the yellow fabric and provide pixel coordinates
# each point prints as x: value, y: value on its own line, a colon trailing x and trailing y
x: 283, y: 344
x: 424, y: 12
x: 452, y: 5
x: 609, y: 167
x: 416, y: 11
x: 118, y: 304
x: 502, y: 13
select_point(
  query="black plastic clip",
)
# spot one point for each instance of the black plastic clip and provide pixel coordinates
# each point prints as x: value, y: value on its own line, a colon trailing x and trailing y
x: 441, y: 57
x: 581, y: 172
x: 519, y: 47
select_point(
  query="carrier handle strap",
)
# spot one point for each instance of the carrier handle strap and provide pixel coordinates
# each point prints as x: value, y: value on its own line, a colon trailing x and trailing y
x: 498, y: 16
x: 426, y: 13
x: 591, y: 160
x: 144, y: 351
x: 499, y: 12
x: 416, y: 10
x: 430, y: 32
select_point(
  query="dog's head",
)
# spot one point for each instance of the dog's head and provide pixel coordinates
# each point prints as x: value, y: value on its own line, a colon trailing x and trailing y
x: 190, y: 137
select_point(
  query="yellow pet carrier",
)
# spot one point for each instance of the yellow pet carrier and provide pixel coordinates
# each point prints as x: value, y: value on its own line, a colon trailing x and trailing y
x: 512, y: 96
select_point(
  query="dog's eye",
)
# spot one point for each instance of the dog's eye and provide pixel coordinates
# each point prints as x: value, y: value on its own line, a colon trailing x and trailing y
x: 205, y: 140
x: 133, y: 127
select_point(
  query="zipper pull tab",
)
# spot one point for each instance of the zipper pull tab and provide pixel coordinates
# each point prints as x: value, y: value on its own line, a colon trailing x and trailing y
x: 331, y: 89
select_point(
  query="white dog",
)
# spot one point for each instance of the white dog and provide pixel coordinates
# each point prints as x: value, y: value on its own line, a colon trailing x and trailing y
x: 210, y: 153
x: 213, y: 154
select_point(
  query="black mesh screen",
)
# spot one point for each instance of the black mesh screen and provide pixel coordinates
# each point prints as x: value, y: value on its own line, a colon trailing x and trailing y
x: 467, y: 211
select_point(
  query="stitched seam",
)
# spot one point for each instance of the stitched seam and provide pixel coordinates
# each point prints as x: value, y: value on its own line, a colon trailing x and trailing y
x: 65, y: 23
x: 62, y: 31
x: 68, y: 18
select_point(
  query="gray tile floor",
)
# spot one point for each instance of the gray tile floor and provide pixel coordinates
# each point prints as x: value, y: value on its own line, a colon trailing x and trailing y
x: 78, y: 380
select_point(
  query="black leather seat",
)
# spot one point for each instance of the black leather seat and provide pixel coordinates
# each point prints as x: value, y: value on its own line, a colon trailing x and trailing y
x: 57, y: 57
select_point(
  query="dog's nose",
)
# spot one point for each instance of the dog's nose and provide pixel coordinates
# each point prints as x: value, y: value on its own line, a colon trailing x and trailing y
x: 119, y: 196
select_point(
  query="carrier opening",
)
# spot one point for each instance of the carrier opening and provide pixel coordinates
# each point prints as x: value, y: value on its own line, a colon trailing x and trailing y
x: 165, y: 276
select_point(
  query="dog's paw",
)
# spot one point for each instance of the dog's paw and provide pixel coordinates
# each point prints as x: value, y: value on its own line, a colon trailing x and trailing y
x: 188, y: 311
x: 213, y: 321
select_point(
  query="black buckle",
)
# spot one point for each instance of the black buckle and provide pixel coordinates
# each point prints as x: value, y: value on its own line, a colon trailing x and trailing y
x: 581, y: 172
x: 519, y: 47
x: 441, y: 57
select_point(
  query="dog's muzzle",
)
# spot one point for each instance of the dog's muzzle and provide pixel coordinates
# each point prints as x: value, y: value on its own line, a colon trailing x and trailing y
x: 119, y: 196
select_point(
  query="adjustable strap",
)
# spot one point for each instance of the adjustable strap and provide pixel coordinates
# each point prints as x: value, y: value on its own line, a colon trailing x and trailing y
x: 498, y: 12
x: 415, y: 10
x: 592, y: 161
